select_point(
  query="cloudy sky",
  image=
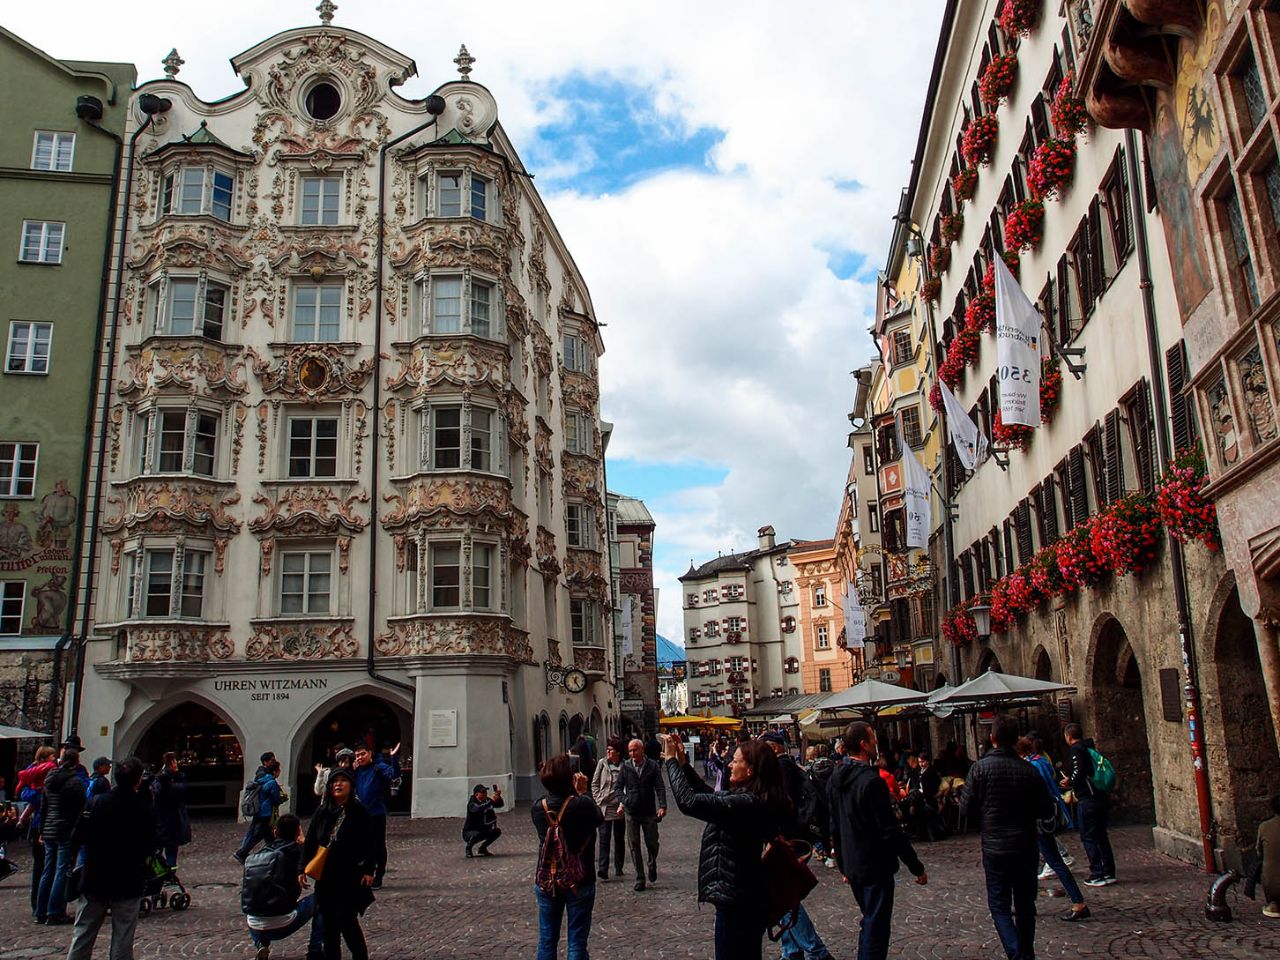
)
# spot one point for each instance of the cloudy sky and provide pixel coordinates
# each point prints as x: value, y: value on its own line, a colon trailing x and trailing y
x: 724, y: 173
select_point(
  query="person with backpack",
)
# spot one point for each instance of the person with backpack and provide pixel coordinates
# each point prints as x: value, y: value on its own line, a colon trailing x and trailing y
x: 808, y: 819
x: 1028, y: 749
x: 99, y: 779
x: 262, y: 795
x: 271, y: 892
x: 566, y: 820
x: 867, y: 839
x: 173, y: 824
x: 344, y: 880
x: 740, y: 821
x: 481, y: 824
x: 1091, y: 778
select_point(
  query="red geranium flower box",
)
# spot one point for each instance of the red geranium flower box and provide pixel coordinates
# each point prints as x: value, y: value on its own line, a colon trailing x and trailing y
x: 1181, y: 504
x: 980, y: 314
x: 951, y: 226
x: 1015, y: 436
x: 979, y: 139
x: 965, y: 183
x: 1051, y: 167
x: 997, y: 80
x: 931, y: 289
x: 1018, y: 17
x: 1050, y: 388
x: 1024, y: 227
x: 1124, y: 535
x: 1068, y: 111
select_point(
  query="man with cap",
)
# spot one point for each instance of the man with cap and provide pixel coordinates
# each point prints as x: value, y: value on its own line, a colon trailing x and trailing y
x: 800, y: 940
x: 481, y: 826
x: 343, y: 760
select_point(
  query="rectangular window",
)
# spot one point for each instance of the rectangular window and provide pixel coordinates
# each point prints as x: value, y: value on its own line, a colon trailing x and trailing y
x: 481, y: 306
x: 171, y: 440
x: 873, y: 516
x: 1238, y: 255
x: 824, y: 681
x: 42, y: 241
x: 313, y: 446
x: 582, y: 622
x: 18, y: 469
x: 576, y: 354
x: 1119, y: 212
x: 53, y: 150
x: 305, y: 582
x: 446, y: 438
x: 13, y: 594
x: 482, y: 577
x: 28, y: 347
x: 450, y: 195
x: 710, y: 596
x: 316, y: 312
x: 446, y: 575
x: 193, y: 568
x: 481, y: 439
x: 479, y: 197
x: 823, y: 636
x: 820, y: 596
x: 204, y: 454
x: 911, y: 428
x: 578, y: 433
x: 1250, y: 83
x: 580, y: 521
x: 446, y: 305
x: 901, y: 348
x: 159, y: 583
x: 190, y: 191
x: 320, y: 199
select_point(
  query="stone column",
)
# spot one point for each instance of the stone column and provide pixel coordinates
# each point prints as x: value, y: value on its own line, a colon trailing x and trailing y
x: 461, y: 733
x: 1268, y: 637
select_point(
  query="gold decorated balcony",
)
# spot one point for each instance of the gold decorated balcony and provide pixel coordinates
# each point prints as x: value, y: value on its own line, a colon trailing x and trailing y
x: 454, y: 634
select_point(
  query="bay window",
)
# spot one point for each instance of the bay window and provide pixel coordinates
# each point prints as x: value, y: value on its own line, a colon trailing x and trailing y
x: 188, y: 306
x: 460, y: 303
x: 443, y: 587
x: 166, y: 583
x: 459, y: 436
x: 193, y: 190
x: 583, y: 615
x: 446, y: 575
x: 178, y: 441
x: 461, y: 193
x: 579, y: 432
x: 580, y: 520
x: 577, y: 354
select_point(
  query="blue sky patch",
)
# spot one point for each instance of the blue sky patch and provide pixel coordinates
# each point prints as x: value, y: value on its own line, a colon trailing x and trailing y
x: 612, y: 136
x: 653, y: 481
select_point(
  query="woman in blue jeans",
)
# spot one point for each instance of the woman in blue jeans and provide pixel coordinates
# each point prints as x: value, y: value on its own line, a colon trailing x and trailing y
x: 568, y: 803
x: 1029, y: 749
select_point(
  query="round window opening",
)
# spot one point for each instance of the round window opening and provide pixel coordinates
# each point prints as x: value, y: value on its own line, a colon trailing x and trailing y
x: 323, y: 101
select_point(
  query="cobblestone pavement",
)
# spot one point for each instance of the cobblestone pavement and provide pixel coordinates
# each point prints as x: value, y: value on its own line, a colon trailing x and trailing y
x: 436, y: 904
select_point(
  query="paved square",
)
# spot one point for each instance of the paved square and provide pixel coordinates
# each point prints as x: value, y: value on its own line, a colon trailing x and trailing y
x: 438, y: 904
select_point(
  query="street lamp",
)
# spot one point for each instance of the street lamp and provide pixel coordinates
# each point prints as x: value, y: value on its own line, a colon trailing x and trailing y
x: 981, y: 613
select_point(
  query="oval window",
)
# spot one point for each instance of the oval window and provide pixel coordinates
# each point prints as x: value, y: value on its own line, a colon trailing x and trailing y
x: 323, y: 101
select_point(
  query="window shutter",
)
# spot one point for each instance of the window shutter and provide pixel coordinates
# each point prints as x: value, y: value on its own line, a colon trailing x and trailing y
x: 1141, y: 427
x: 1181, y: 412
x: 1097, y: 266
x: 1124, y: 216
x: 1064, y: 299
x: 1079, y: 490
x: 1037, y: 498
x: 1113, y: 464
x: 1048, y: 512
x: 1062, y: 476
x: 1022, y: 519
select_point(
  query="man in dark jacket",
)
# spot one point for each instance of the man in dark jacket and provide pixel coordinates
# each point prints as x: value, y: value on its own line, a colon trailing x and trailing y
x: 800, y: 940
x: 61, y: 805
x: 1005, y: 796
x: 118, y: 834
x: 271, y: 891
x: 481, y: 826
x: 1094, y: 806
x: 373, y: 776
x: 100, y: 779
x: 643, y: 798
x: 866, y: 838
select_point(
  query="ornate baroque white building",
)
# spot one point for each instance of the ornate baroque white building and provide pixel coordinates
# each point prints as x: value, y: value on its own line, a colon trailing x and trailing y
x: 352, y: 479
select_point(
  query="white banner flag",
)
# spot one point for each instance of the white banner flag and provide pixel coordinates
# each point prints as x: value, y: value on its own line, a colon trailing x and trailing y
x: 915, y: 484
x: 1017, y: 350
x: 855, y: 619
x: 970, y: 442
x: 627, y: 626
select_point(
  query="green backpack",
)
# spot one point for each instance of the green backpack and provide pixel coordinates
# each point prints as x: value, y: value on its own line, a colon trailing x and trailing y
x: 1103, y: 777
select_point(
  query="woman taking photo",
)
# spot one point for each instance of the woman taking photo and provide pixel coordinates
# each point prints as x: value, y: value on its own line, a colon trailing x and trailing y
x: 569, y: 805
x: 173, y: 823
x: 740, y: 822
x: 343, y: 828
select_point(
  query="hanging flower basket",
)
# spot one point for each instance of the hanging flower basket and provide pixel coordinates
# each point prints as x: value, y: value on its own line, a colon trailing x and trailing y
x: 1015, y: 436
x: 979, y: 140
x: 931, y: 289
x: 1001, y: 615
x: 1045, y: 574
x: 1183, y: 508
x: 965, y: 346
x: 1068, y: 111
x: 980, y: 314
x: 939, y: 260
x: 1019, y: 596
x: 958, y: 626
x: 1051, y: 167
x: 997, y: 80
x: 951, y: 227
x: 951, y: 369
x: 935, y: 397
x: 1078, y: 564
x: 1012, y: 259
x: 965, y: 183
x: 1024, y: 227
x: 1018, y: 17
x: 1050, y: 388
x: 1124, y: 535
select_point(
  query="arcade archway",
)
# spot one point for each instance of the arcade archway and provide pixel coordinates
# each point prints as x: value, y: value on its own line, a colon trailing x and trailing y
x: 1118, y: 706
x: 365, y: 720
x: 208, y: 750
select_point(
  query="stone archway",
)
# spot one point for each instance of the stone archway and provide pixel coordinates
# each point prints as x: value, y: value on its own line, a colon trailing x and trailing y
x: 988, y: 660
x: 209, y: 752
x: 1120, y: 721
x: 1248, y: 739
x: 364, y: 719
x: 1042, y: 665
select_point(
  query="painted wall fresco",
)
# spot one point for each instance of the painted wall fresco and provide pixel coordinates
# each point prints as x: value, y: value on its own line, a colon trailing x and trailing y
x: 36, y: 540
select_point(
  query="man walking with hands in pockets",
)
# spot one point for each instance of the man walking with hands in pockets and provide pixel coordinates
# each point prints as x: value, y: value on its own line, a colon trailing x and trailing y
x: 643, y: 798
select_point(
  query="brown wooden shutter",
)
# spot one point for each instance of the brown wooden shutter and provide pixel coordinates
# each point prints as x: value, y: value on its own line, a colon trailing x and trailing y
x: 1022, y: 518
x: 1181, y: 409
x: 1097, y: 265
x: 998, y: 554
x: 1124, y: 216
x: 1079, y: 485
x: 1008, y: 544
x: 1048, y: 512
x: 1064, y: 299
x: 1037, y: 499
x: 1142, y: 429
x: 1114, y: 464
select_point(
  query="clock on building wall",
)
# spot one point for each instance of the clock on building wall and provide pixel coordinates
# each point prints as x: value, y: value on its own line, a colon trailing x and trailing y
x: 575, y: 681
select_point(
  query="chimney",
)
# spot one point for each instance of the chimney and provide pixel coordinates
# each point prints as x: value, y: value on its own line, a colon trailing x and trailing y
x: 768, y: 537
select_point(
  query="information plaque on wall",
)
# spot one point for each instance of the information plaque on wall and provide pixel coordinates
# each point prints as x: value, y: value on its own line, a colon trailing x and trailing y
x: 442, y: 728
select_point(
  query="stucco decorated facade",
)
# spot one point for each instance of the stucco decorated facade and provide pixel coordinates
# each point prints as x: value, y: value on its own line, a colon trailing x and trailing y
x: 353, y: 484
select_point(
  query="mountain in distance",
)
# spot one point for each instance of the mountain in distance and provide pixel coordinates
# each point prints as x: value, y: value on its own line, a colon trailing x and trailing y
x: 669, y: 652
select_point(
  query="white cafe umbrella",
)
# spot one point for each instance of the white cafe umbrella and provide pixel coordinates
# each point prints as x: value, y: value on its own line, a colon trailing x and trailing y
x: 994, y: 687
x: 19, y: 733
x: 870, y: 696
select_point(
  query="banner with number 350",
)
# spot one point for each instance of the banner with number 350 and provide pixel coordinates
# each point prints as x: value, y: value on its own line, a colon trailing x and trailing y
x: 1017, y: 351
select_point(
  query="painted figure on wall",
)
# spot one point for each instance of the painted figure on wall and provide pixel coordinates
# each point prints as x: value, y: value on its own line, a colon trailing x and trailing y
x: 51, y: 603
x: 56, y: 518
x: 15, y: 538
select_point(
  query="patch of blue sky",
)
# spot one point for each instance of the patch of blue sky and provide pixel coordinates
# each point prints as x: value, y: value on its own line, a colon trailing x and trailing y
x: 848, y: 264
x: 653, y: 481
x: 609, y: 134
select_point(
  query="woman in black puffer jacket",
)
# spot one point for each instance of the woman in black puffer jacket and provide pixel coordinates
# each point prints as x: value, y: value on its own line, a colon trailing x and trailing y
x: 740, y: 822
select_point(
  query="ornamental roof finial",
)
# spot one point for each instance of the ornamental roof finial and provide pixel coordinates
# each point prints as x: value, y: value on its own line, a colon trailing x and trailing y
x: 464, y: 60
x: 172, y: 64
x: 326, y: 10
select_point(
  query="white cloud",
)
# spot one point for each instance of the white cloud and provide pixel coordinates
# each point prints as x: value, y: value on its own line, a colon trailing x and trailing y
x: 729, y: 337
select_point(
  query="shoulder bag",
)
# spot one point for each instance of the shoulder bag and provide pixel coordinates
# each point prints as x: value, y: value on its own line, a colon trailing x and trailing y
x: 315, y: 866
x: 789, y: 881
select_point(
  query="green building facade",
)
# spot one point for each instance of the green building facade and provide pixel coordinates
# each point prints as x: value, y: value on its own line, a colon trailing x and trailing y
x: 56, y: 190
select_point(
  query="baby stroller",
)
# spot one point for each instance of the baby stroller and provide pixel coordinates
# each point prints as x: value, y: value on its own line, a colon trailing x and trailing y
x: 158, y: 890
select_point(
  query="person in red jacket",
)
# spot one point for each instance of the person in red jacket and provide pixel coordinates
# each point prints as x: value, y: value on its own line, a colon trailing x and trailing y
x: 30, y: 791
